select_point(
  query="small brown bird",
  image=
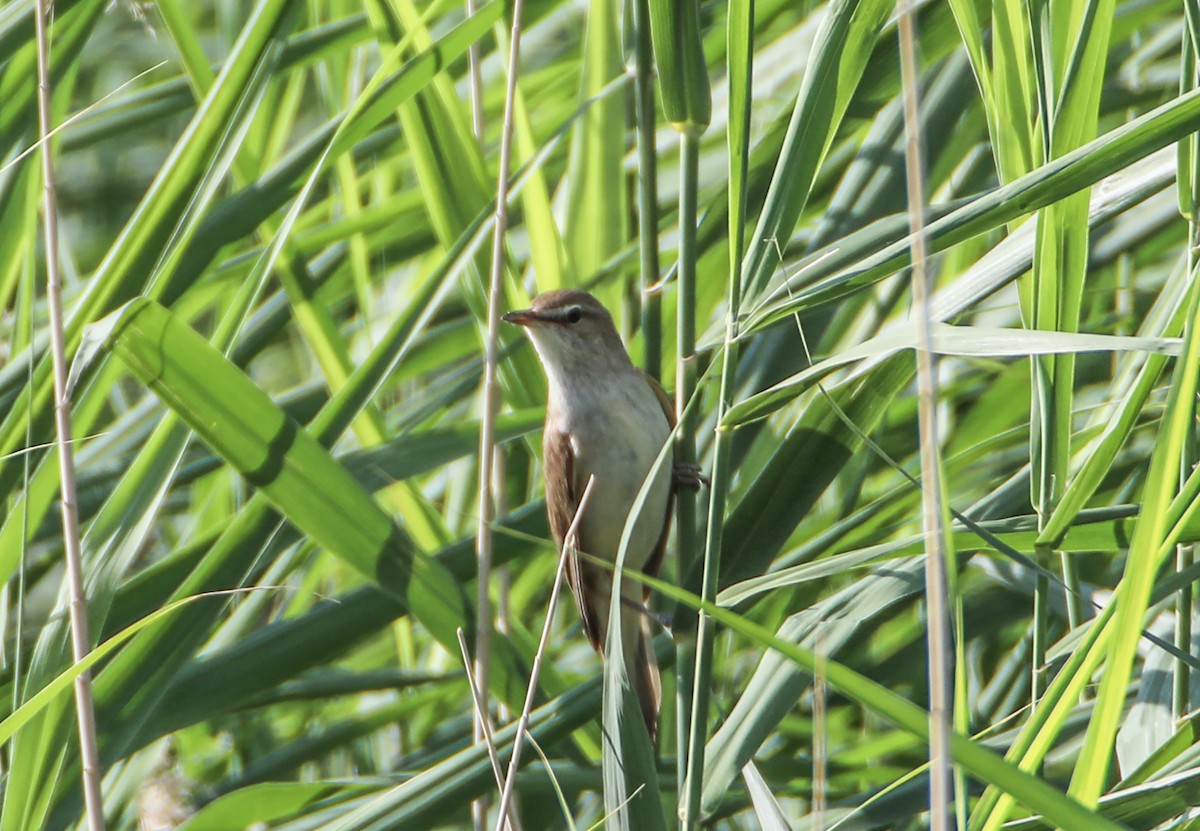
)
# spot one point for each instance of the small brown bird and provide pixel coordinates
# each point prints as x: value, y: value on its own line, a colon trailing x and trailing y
x: 608, y: 419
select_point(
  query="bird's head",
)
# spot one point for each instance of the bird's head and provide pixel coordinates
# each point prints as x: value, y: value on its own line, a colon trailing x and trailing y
x: 572, y: 333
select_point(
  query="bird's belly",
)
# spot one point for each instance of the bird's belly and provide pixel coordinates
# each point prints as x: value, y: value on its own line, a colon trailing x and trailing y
x: 611, y: 503
x: 620, y: 453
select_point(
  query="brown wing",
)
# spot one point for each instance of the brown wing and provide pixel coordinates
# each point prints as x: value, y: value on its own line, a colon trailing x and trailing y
x: 664, y: 400
x: 660, y: 549
x: 562, y: 500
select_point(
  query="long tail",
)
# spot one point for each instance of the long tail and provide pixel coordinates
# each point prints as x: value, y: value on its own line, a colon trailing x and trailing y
x: 642, y: 665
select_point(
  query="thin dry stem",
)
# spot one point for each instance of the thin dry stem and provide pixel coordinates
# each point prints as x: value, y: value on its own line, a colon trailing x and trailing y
x: 936, y: 578
x: 483, y: 723
x: 518, y: 740
x: 483, y: 620
x: 80, y: 640
x: 487, y: 433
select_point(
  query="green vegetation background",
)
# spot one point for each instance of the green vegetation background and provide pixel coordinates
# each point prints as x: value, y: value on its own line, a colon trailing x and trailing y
x: 276, y: 235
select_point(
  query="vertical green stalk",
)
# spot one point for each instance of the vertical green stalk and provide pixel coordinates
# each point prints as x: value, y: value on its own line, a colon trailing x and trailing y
x: 1070, y: 50
x: 1181, y: 703
x: 1189, y: 187
x: 1185, y: 554
x: 685, y: 449
x: 1184, y: 609
x: 647, y: 193
x: 1151, y: 534
x: 740, y: 36
x: 1041, y: 627
x: 1040, y: 89
x: 1074, y: 595
x: 687, y: 103
x: 1011, y: 65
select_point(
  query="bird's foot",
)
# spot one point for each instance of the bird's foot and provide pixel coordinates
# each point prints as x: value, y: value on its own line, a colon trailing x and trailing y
x: 689, y: 476
x: 663, y: 619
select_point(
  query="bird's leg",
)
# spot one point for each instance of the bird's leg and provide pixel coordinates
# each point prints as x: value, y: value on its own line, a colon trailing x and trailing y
x: 689, y: 476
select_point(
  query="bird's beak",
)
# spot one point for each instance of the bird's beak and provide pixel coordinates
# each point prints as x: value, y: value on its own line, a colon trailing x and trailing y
x: 523, y: 317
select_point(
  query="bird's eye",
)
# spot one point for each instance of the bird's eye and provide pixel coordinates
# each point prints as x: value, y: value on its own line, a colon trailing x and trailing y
x: 574, y: 314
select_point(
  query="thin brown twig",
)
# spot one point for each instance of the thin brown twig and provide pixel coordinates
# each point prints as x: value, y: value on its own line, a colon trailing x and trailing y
x: 491, y: 392
x: 514, y: 761
x: 487, y: 432
x: 483, y: 723
x: 483, y: 617
x: 936, y: 572
x: 77, y: 604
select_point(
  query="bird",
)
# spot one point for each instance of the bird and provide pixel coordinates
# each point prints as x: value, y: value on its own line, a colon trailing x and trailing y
x: 608, y: 419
